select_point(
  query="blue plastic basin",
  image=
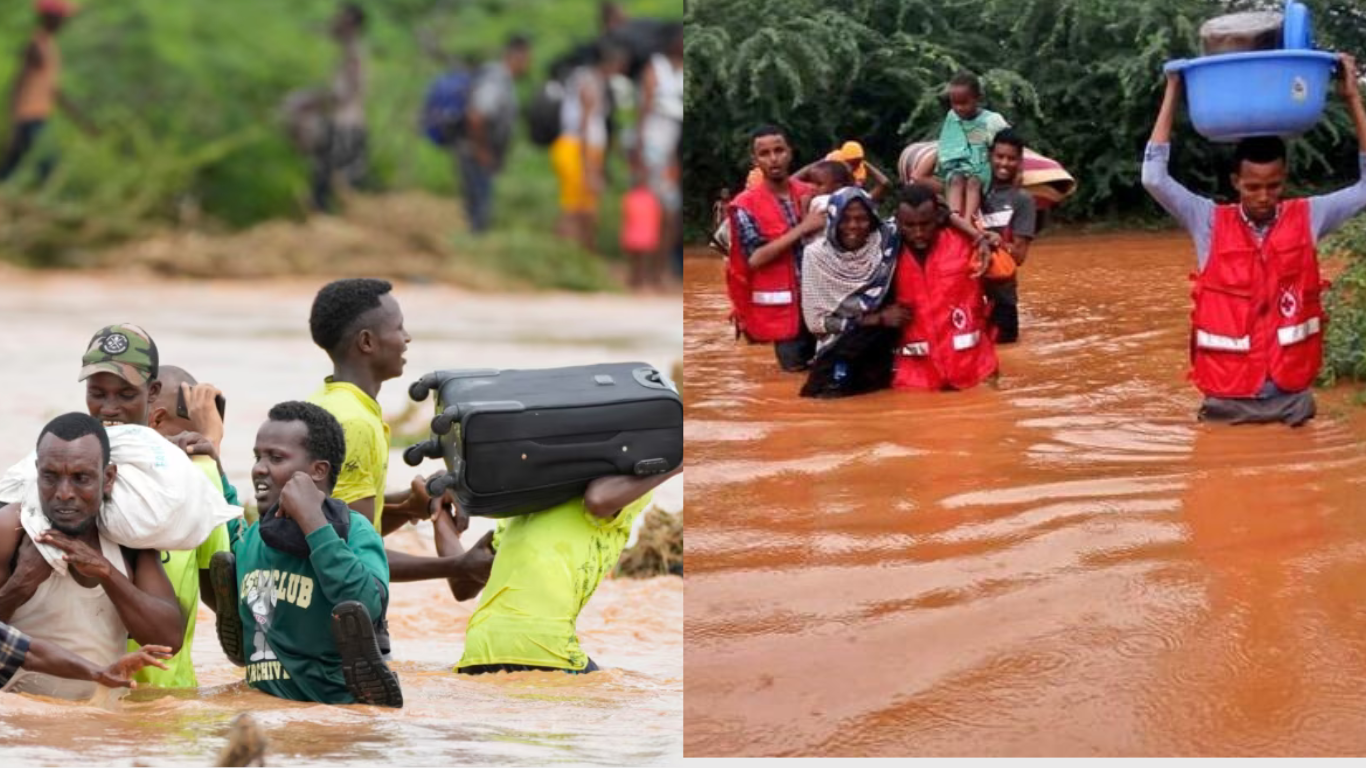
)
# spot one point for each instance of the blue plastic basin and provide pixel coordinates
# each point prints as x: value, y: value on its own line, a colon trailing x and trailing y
x: 1262, y: 93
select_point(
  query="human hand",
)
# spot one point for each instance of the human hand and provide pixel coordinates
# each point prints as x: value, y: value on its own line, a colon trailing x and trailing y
x: 32, y: 569
x: 896, y: 315
x: 119, y: 674
x: 302, y: 502
x: 79, y: 555
x: 813, y: 223
x: 478, y: 560
x: 195, y: 444
x: 448, y: 515
x: 983, y: 258
x: 200, y: 403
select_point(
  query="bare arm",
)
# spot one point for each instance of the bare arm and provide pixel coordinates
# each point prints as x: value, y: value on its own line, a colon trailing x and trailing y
x: 814, y: 222
x: 478, y: 560
x: 883, y: 183
x: 18, y: 586
x: 52, y: 659
x: 147, y: 604
x: 606, y: 496
x: 365, y: 507
x: 32, y: 59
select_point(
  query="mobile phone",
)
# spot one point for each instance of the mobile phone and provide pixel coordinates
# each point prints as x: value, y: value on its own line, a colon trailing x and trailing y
x: 183, y: 411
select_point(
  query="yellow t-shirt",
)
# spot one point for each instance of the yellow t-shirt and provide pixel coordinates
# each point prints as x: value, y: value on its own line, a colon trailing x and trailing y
x: 547, y: 567
x: 182, y: 569
x: 366, y: 466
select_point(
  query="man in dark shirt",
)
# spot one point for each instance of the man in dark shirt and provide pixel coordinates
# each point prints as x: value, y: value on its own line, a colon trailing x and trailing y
x: 1008, y: 211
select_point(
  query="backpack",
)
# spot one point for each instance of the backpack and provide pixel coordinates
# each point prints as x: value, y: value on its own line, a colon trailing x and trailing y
x: 543, y: 113
x: 443, y: 113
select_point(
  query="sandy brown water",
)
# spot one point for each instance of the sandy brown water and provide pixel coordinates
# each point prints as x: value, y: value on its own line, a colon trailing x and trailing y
x: 252, y: 341
x: 1066, y: 564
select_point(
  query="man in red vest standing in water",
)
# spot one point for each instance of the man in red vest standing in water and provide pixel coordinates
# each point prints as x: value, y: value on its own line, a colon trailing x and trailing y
x: 1257, y: 325
x: 764, y: 265
x: 946, y: 344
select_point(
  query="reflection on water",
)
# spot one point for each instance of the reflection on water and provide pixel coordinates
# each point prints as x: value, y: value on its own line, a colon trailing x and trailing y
x: 252, y: 341
x: 1066, y: 564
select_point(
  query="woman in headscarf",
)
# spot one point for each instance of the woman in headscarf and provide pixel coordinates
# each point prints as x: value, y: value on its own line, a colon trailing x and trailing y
x: 846, y: 278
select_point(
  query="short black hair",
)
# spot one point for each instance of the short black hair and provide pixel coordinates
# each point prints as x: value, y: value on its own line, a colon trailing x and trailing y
x: 1009, y: 136
x: 356, y: 12
x: 518, y: 42
x: 325, y: 441
x: 338, y: 308
x: 916, y: 195
x: 767, y: 129
x: 838, y: 170
x: 968, y: 79
x: 1258, y: 149
x: 74, y: 426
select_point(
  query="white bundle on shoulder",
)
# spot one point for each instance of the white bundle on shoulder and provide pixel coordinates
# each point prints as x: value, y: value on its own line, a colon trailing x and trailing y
x: 160, y: 500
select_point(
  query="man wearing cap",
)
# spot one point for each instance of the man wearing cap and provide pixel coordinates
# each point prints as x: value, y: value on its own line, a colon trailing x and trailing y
x: 120, y: 370
x: 36, y: 91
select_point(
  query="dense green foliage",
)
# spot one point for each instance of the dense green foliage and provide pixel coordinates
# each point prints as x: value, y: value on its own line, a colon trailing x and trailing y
x: 186, y: 97
x: 1081, y: 78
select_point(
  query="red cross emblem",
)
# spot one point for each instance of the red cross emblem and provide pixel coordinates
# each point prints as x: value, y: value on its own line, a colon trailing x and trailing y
x: 1288, y: 304
x: 959, y: 318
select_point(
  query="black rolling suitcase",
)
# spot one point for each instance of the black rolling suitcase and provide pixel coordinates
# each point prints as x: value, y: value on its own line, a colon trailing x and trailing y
x: 523, y: 441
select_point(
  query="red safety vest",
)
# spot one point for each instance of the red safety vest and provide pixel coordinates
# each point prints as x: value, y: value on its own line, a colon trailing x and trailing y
x: 1258, y: 309
x: 946, y: 343
x: 765, y: 302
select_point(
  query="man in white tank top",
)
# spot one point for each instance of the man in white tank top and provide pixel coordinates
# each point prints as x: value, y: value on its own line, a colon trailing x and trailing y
x: 105, y: 593
x: 661, y: 126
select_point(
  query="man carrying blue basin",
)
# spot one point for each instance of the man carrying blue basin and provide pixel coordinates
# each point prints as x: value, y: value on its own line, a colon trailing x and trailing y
x: 1257, y: 324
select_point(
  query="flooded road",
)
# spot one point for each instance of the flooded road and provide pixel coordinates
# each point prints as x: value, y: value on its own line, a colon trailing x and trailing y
x: 252, y: 341
x: 1067, y: 564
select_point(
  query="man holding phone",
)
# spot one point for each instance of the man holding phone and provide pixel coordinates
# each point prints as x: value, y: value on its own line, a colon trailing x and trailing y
x: 125, y: 384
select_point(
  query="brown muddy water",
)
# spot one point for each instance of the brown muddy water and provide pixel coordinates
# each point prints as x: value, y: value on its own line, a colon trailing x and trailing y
x: 1067, y: 564
x: 252, y: 341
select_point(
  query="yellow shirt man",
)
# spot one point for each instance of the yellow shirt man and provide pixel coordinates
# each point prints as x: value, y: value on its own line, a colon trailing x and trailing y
x: 182, y: 570
x: 547, y: 567
x: 366, y: 466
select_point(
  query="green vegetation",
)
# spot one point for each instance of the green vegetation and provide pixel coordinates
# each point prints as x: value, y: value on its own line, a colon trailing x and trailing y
x: 186, y: 98
x: 1081, y: 78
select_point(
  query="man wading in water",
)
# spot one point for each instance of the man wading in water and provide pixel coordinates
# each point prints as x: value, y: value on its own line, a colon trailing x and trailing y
x: 1257, y: 340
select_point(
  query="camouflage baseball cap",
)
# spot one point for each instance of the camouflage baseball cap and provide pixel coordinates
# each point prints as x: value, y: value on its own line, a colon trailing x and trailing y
x: 124, y: 350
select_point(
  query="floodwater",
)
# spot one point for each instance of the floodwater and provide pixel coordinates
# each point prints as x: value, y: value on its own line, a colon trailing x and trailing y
x: 252, y: 341
x: 1068, y: 564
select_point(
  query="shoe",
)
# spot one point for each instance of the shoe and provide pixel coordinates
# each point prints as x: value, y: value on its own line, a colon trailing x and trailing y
x: 367, y: 676
x: 228, y: 622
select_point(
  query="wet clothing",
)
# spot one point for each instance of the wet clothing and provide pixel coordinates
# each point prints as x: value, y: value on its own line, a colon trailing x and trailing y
x: 1321, y: 215
x: 840, y: 287
x: 366, y: 467
x: 13, y: 651
x: 182, y: 570
x: 947, y: 344
x: 548, y: 565
x: 765, y: 302
x: 964, y: 144
x: 858, y: 362
x: 286, y: 602
x: 1009, y: 212
x: 484, y: 669
x: 83, y: 620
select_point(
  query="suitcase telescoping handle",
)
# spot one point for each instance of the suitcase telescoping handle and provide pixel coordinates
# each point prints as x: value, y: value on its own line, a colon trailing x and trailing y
x: 414, y: 454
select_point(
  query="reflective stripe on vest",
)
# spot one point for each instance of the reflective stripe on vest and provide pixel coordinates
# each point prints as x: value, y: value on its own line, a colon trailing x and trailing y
x: 964, y: 341
x: 1207, y: 340
x: 915, y: 349
x: 1294, y: 334
x: 771, y: 298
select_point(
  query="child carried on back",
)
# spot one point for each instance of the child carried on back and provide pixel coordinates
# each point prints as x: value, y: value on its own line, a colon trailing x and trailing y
x: 963, y: 145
